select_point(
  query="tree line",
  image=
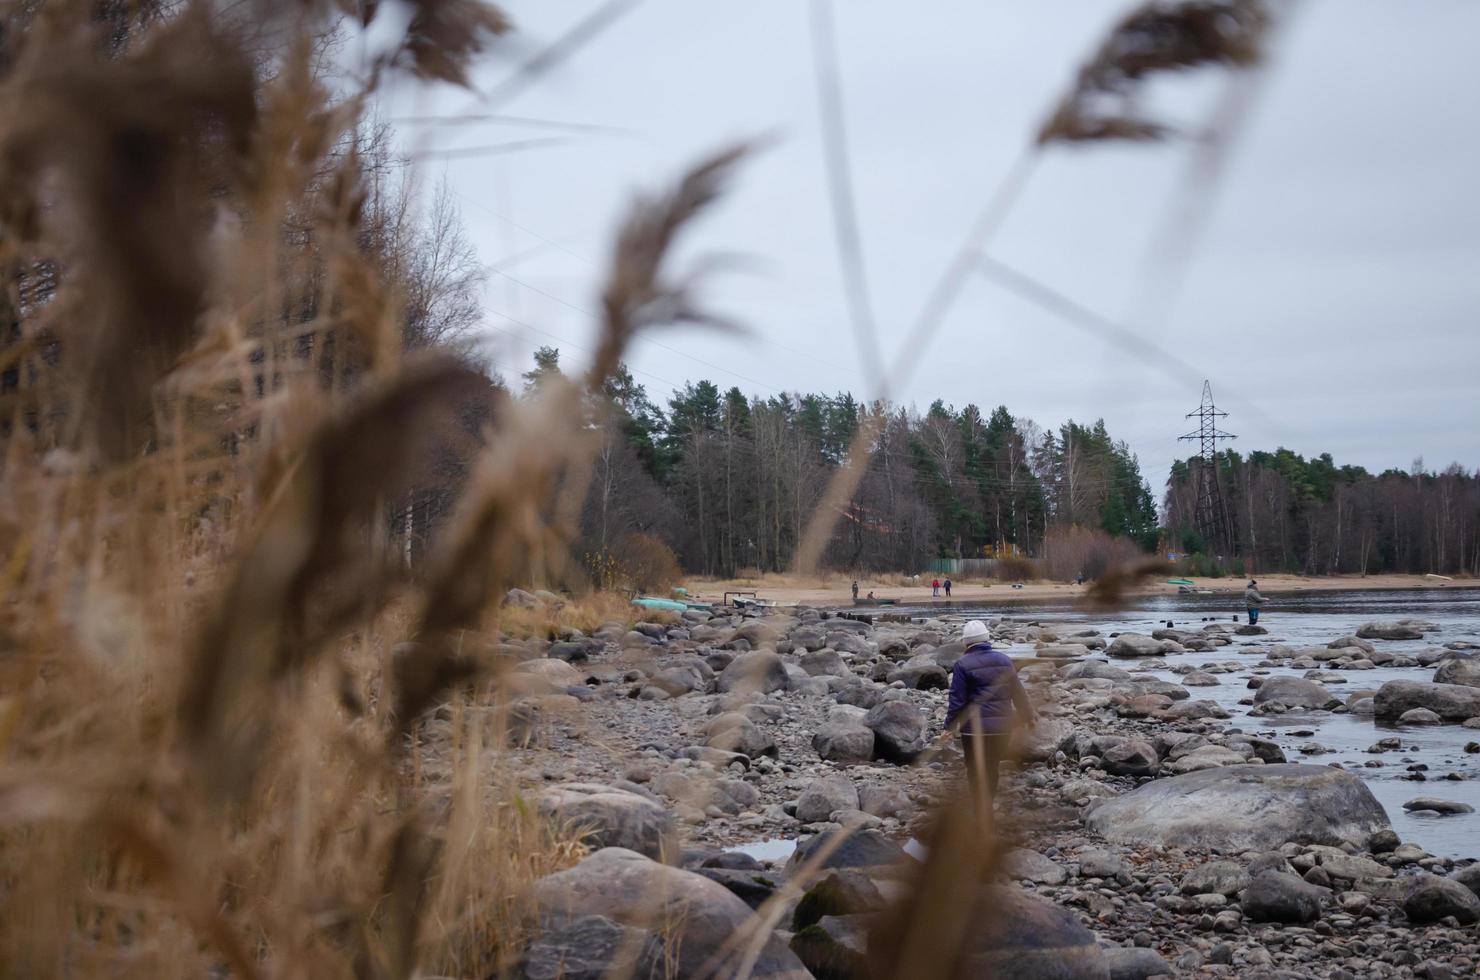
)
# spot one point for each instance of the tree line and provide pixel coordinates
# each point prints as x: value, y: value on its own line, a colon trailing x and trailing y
x: 1312, y: 517
x: 731, y: 481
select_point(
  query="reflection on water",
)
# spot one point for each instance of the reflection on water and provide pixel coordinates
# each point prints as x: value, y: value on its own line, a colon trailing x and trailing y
x: 1314, y: 619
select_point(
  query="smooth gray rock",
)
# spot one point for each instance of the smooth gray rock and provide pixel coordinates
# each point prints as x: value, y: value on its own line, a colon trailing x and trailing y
x: 823, y: 796
x: 844, y: 742
x: 840, y: 891
x: 761, y: 671
x: 920, y: 673
x: 1097, y: 863
x: 1135, y: 963
x: 1094, y: 670
x: 1469, y: 877
x: 860, y: 849
x: 1436, y: 805
x: 1296, y: 692
x: 1241, y: 808
x: 592, y: 947
x: 824, y: 663
x: 1432, y: 898
x: 1022, y: 937
x: 1274, y: 896
x: 884, y: 801
x: 734, y: 732
x: 608, y: 816
x: 1464, y: 671
x: 834, y: 946
x: 698, y: 915
x: 1132, y: 758
x: 899, y: 731
x: 1389, y: 631
x: 1028, y: 865
x: 1134, y: 645
x: 1452, y: 702
x: 1216, y: 878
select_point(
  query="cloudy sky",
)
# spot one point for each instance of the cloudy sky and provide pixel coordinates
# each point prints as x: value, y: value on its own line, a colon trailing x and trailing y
x: 1331, y: 292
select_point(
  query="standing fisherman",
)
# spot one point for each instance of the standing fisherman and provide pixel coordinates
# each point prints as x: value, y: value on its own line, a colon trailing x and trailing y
x: 987, y: 701
x: 855, y: 590
x: 1252, y: 601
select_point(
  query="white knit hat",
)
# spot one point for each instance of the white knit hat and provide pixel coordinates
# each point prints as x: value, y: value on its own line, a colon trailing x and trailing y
x: 975, y: 630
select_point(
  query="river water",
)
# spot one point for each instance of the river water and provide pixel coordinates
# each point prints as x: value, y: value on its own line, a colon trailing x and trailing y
x: 1314, y: 619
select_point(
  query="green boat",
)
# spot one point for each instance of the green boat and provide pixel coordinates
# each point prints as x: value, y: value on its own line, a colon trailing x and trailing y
x: 672, y: 605
x: 1180, y: 581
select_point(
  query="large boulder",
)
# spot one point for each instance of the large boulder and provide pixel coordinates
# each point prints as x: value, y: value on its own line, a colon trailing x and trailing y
x: 734, y: 732
x: 844, y: 742
x: 1135, y: 645
x: 610, y: 816
x: 1093, y: 670
x: 1453, y: 702
x: 1464, y: 671
x: 699, y: 917
x: 899, y: 731
x: 1432, y: 898
x: 1277, y: 896
x: 1389, y: 631
x: 920, y: 673
x: 1239, y: 808
x: 1469, y: 877
x: 834, y: 946
x: 824, y: 796
x: 1132, y: 758
x: 1019, y: 936
x: 1295, y: 692
x: 1343, y: 642
x: 857, y: 849
x: 759, y: 670
x: 591, y: 947
x: 823, y: 663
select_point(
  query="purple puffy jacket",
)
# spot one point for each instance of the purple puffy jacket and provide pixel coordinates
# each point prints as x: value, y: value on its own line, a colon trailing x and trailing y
x: 984, y: 690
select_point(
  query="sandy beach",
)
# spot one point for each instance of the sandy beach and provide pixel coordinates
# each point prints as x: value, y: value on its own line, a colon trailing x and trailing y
x: 834, y: 590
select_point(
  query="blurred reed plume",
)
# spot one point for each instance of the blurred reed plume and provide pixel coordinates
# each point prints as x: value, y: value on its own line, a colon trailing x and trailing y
x: 1156, y: 37
x: 216, y: 753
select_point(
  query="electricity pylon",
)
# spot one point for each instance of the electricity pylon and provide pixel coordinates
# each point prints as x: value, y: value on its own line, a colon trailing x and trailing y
x: 1208, y: 513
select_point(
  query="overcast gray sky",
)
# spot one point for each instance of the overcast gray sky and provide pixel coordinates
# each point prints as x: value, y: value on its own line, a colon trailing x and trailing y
x: 1333, y: 297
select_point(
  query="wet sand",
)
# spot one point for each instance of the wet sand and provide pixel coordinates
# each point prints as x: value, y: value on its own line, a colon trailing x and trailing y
x: 834, y: 591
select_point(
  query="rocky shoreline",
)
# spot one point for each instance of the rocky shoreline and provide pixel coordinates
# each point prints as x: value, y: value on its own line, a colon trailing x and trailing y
x: 1152, y: 836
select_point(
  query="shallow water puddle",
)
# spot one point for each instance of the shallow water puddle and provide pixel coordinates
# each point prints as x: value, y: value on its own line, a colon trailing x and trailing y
x: 775, y: 850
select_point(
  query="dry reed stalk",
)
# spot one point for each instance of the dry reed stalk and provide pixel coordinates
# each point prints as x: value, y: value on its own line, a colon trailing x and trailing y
x: 198, y: 617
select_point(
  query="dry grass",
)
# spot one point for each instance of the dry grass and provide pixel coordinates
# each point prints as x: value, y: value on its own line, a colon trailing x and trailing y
x: 217, y: 753
x: 586, y: 613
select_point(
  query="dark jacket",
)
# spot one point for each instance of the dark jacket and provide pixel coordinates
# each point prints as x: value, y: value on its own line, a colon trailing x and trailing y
x: 984, y: 690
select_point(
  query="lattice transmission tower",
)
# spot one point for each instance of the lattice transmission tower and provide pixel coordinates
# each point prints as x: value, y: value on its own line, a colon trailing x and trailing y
x: 1208, y: 513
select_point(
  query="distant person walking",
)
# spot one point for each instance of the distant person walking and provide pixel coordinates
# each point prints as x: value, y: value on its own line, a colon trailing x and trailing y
x: 947, y: 584
x: 987, y: 701
x: 935, y: 587
x: 855, y: 590
x: 1252, y: 601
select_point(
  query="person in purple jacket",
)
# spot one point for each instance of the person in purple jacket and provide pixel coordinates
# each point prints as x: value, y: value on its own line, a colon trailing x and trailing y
x: 987, y: 701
